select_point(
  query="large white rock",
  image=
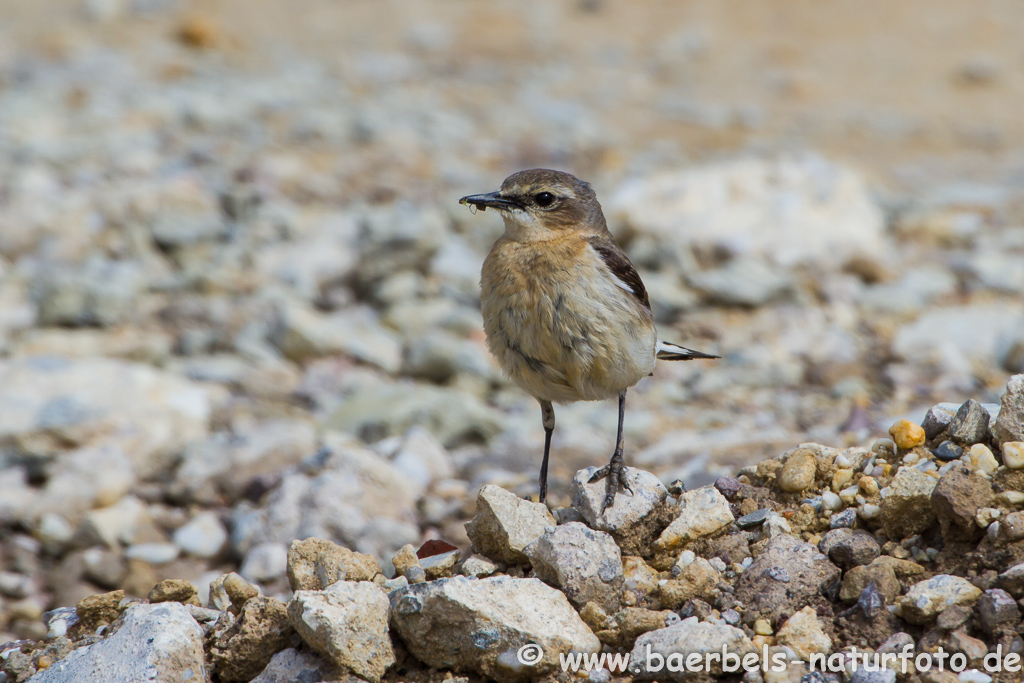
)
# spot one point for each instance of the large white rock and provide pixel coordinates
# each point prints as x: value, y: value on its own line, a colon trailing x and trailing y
x: 160, y: 642
x: 789, y: 210
x: 348, y: 624
x: 479, y: 625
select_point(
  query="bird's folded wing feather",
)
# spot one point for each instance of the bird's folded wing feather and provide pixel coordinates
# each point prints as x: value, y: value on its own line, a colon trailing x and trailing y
x: 621, y: 269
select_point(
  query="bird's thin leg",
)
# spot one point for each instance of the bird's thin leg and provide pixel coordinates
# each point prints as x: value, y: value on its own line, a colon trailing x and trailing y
x: 615, y: 470
x: 547, y: 413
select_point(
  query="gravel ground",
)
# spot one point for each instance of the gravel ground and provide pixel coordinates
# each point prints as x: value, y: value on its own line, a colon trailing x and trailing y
x: 238, y: 299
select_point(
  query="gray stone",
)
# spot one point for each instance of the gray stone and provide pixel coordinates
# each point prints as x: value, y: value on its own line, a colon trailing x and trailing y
x: 970, y: 425
x: 585, y: 564
x: 849, y: 549
x: 926, y: 599
x: 479, y: 625
x: 505, y: 524
x: 299, y: 666
x: 754, y: 519
x: 948, y: 451
x: 150, y: 642
x: 830, y: 216
x: 348, y: 623
x: 996, y: 609
x: 438, y: 356
x: 1012, y: 580
x: 787, y: 575
x: 950, y: 334
x: 847, y: 519
x: 896, y: 643
x: 956, y: 499
x: 478, y: 566
x: 49, y: 404
x: 350, y: 496
x: 305, y: 333
x: 380, y: 410
x: 225, y: 464
x: 202, y: 536
x: 98, y: 292
x: 746, y: 282
x: 1009, y: 424
x: 862, y: 675
x: 699, y: 513
x: 422, y: 458
x: 634, y: 520
x: 681, y: 640
x: 907, y: 510
x: 265, y: 562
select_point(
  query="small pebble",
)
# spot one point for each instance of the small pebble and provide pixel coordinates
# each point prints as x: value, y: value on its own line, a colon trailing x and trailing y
x: 754, y: 519
x: 1010, y: 498
x: 868, y: 485
x: 762, y: 627
x: 869, y: 511
x: 973, y: 676
x: 985, y: 516
x: 415, y: 574
x: 906, y: 434
x: 980, y: 459
x: 841, y: 479
x: 843, y: 520
x: 830, y: 501
x: 1013, y: 454
x: 947, y: 451
x: 849, y: 494
x: 397, y: 582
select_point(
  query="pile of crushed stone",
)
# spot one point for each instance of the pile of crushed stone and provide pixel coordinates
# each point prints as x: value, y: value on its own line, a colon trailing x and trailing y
x: 914, y: 546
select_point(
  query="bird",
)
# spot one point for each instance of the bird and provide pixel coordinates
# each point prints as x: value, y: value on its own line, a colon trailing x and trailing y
x: 565, y: 313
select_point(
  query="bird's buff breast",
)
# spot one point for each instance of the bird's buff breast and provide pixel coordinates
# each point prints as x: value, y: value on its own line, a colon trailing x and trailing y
x: 559, y: 326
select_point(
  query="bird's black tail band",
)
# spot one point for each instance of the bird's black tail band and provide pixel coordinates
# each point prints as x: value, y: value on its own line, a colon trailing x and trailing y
x: 667, y: 351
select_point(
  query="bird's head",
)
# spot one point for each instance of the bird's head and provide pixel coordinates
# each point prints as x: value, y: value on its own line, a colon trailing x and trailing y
x: 540, y: 204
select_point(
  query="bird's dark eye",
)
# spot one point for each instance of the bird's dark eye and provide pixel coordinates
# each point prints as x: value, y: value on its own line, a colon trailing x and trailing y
x: 544, y: 199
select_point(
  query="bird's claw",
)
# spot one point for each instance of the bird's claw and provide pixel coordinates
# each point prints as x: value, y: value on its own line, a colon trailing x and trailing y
x: 616, y: 482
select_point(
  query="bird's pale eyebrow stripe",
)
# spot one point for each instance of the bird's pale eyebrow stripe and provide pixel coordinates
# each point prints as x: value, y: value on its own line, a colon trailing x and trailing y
x: 622, y: 271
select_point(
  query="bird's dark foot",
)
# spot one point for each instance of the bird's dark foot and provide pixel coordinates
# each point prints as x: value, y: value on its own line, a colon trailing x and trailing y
x: 615, y: 471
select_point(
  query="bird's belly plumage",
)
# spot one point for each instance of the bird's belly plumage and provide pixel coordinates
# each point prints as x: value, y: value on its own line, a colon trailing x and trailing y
x: 560, y: 326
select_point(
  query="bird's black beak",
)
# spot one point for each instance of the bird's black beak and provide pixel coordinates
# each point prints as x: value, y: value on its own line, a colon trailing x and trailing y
x: 492, y: 199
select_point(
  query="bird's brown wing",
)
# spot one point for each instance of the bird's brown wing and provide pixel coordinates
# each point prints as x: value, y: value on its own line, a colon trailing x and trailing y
x: 619, y: 265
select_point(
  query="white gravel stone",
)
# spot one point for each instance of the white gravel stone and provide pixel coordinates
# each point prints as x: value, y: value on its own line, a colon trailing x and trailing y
x: 202, y: 536
x: 265, y: 562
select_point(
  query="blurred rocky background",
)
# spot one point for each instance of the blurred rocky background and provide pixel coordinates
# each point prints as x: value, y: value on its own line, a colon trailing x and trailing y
x: 239, y: 300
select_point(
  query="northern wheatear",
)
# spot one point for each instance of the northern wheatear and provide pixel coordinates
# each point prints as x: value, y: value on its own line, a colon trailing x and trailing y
x: 565, y: 312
